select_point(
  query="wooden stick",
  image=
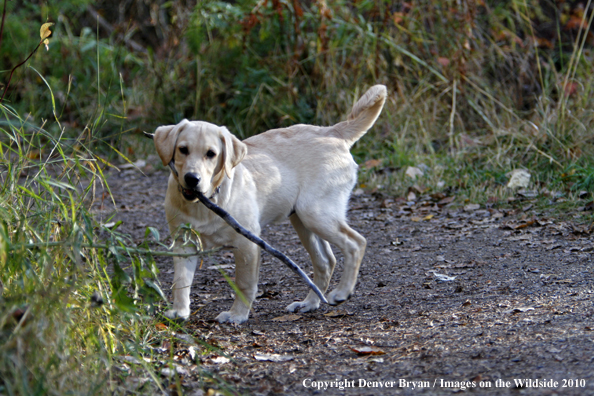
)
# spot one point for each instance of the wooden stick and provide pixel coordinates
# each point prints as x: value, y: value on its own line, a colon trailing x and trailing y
x: 260, y: 242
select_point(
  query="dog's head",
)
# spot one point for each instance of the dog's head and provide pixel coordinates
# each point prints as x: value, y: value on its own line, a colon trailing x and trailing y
x: 202, y: 154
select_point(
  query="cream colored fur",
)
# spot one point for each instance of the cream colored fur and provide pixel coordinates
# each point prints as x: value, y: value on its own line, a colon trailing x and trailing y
x: 303, y: 172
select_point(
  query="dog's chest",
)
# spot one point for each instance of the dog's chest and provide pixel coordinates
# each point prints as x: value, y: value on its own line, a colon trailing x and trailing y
x: 219, y: 237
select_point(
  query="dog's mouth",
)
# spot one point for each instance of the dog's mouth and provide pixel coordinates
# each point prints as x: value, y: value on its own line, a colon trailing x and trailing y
x: 189, y: 195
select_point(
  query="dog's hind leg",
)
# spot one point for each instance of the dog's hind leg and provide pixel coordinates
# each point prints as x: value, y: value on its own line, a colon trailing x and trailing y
x: 323, y: 262
x: 350, y: 242
x: 247, y: 268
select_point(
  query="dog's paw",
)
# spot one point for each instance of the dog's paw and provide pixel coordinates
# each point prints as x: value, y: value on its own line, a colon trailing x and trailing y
x: 230, y: 317
x: 338, y: 297
x: 175, y: 315
x: 303, y: 306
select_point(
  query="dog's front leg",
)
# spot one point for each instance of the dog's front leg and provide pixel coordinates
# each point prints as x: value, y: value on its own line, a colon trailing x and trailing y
x: 184, y: 268
x: 247, y: 268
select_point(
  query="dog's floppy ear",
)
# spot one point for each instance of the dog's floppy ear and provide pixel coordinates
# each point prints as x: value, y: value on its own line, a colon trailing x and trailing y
x: 165, y: 138
x: 233, y: 150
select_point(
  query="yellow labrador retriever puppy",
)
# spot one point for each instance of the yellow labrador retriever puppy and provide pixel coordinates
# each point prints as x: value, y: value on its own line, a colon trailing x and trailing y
x: 303, y: 172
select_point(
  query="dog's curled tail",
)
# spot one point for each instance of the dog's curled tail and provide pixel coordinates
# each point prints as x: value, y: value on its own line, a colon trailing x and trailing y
x: 363, y: 115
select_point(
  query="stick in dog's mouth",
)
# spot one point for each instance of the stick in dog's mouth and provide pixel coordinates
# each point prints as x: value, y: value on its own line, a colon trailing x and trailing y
x: 190, y: 195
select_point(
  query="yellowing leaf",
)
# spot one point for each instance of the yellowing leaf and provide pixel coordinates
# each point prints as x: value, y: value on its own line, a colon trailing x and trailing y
x: 428, y: 217
x: 372, y: 163
x: 44, y: 32
x: 337, y: 314
x: 161, y: 326
x: 443, y: 61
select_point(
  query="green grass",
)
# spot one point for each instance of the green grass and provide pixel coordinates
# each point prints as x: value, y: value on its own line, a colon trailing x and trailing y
x: 56, y: 262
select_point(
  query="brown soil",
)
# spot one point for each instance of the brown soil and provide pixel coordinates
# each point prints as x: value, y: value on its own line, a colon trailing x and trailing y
x: 519, y: 306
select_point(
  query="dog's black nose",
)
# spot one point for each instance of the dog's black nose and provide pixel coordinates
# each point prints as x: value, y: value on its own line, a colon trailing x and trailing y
x: 191, y: 180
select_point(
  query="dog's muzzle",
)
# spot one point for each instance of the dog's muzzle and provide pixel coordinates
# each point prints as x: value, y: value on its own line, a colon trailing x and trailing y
x: 191, y: 193
x: 191, y: 181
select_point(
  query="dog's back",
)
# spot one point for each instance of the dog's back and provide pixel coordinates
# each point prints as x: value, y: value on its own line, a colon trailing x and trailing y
x: 310, y: 162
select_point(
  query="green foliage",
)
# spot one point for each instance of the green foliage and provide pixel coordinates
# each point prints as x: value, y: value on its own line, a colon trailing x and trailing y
x: 53, y: 258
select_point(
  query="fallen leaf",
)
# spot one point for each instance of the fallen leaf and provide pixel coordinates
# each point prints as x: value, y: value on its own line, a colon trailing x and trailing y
x: 372, y: 163
x: 521, y: 309
x: 337, y: 314
x: 524, y: 225
x: 161, y: 326
x: 287, y: 318
x: 575, y: 22
x: 413, y: 172
x: 168, y: 372
x: 368, y: 350
x: 443, y: 277
x: 272, y: 357
x: 563, y: 281
x: 471, y: 207
x: 446, y: 200
x: 443, y: 61
x: 418, y: 189
x: 220, y: 360
x: 386, y: 203
x: 428, y: 217
x: 541, y: 42
x: 518, y: 178
x: 497, y: 215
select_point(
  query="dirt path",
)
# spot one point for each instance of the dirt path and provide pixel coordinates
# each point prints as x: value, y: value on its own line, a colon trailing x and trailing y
x: 448, y: 299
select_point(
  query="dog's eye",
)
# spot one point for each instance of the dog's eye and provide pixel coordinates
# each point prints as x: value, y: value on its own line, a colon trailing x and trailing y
x: 184, y: 150
x: 210, y: 154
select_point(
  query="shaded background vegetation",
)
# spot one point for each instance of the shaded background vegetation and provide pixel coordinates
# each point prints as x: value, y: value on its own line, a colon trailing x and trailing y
x: 502, y: 82
x: 477, y: 88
